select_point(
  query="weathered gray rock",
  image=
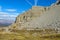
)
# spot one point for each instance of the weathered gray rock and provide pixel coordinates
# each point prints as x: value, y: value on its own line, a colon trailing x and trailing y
x: 50, y: 19
x: 33, y: 13
x: 39, y: 17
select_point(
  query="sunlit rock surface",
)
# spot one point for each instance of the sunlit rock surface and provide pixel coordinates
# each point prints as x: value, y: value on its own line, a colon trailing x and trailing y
x: 33, y: 13
x: 39, y: 18
x: 50, y: 19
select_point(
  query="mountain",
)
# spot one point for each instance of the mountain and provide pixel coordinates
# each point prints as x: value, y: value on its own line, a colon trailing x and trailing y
x: 31, y: 14
x: 5, y: 23
x: 39, y: 17
x: 50, y: 19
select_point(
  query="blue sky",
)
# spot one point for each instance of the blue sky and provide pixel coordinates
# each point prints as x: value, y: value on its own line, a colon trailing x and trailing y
x: 9, y: 9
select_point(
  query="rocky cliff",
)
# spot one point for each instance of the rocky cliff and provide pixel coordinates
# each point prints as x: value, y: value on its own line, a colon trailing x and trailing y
x: 39, y: 18
x: 31, y: 14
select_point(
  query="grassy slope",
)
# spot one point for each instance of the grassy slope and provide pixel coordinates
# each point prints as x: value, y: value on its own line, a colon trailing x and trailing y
x: 28, y: 35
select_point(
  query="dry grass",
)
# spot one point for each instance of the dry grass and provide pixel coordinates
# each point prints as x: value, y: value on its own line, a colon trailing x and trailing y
x: 28, y: 35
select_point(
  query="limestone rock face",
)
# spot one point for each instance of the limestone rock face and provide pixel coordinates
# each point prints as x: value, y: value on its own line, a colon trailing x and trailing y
x: 39, y: 17
x: 50, y: 19
x: 28, y: 16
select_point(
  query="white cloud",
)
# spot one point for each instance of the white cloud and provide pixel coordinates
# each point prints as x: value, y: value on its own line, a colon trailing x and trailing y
x: 5, y: 15
x: 0, y: 8
x: 23, y: 11
x: 11, y: 10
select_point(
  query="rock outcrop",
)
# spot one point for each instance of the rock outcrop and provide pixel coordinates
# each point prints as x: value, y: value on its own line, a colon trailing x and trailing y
x: 33, y: 13
x: 39, y: 18
x: 50, y: 19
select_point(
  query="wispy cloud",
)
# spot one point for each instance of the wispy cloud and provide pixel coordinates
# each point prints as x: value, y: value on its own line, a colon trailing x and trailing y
x: 0, y: 8
x: 5, y: 15
x: 23, y: 11
x: 11, y: 10
x: 8, y: 14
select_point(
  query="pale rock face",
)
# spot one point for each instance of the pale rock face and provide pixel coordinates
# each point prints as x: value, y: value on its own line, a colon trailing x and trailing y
x: 37, y: 10
x: 50, y: 19
x: 32, y: 14
x: 39, y: 17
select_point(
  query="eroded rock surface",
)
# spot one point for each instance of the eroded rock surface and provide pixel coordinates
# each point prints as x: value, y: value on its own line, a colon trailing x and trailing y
x: 39, y: 18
